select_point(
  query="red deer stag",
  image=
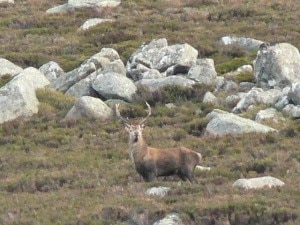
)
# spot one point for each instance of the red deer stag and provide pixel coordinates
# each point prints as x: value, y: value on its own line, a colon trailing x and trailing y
x: 151, y: 163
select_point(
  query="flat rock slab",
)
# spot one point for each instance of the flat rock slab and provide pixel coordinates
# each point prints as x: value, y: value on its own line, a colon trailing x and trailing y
x: 77, y: 4
x: 93, y: 22
x: 243, y: 42
x: 223, y: 123
x: 158, y: 191
x: 257, y: 183
x: 170, y: 219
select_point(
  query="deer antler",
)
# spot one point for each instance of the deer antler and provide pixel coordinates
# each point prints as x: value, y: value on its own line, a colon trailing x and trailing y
x: 149, y: 113
x: 126, y: 121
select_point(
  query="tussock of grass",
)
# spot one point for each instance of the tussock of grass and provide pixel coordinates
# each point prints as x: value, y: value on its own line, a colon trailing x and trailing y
x: 54, y: 102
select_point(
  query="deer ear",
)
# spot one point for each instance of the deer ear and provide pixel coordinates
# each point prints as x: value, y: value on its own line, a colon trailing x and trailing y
x: 143, y: 126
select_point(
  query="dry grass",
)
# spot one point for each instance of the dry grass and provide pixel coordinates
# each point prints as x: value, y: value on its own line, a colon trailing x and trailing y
x: 79, y: 172
x: 30, y: 37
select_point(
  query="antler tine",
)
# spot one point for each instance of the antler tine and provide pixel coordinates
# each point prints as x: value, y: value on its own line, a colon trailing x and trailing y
x: 126, y: 121
x: 149, y: 114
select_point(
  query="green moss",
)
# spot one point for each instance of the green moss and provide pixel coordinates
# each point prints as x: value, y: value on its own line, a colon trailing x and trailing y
x: 245, y: 77
x: 231, y: 65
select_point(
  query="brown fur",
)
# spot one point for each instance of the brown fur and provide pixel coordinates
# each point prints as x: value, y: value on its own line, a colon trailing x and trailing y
x: 153, y: 162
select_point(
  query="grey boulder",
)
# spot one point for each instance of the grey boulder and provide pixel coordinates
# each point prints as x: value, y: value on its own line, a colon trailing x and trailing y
x: 277, y: 65
x: 223, y: 123
x: 114, y: 85
x: 156, y: 84
x: 18, y: 98
x: 258, y: 183
x: 90, y: 107
x: 8, y: 68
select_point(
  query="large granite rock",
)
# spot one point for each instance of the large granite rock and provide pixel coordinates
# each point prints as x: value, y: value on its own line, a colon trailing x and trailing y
x: 107, y: 59
x: 18, y: 98
x: 89, y: 107
x: 268, y: 114
x: 64, y: 82
x: 114, y: 85
x: 51, y: 70
x: 258, y: 183
x: 93, y: 3
x: 258, y: 96
x: 292, y: 111
x: 170, y: 219
x: 223, y: 123
x: 158, y: 55
x: 277, y: 65
x: 77, y: 4
x: 156, y: 84
x: 7, y: 1
x: 8, y: 68
x: 242, y: 42
x: 84, y: 87
x: 294, y: 93
x: 203, y: 72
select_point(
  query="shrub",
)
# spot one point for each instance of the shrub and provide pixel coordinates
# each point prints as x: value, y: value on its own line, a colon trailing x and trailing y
x: 179, y: 134
x: 134, y: 110
x: 206, y: 108
x: 260, y: 165
x: 172, y: 93
x: 288, y: 132
x: 197, y: 126
x: 251, y: 113
x: 175, y: 93
x: 232, y: 13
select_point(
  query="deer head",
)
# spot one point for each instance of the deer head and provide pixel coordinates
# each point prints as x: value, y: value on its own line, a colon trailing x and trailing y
x: 135, y: 131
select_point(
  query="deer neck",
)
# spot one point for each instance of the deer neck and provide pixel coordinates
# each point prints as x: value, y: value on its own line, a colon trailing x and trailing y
x: 137, y: 148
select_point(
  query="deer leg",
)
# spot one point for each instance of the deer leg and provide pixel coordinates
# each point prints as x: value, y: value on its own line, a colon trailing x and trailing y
x: 182, y: 176
x: 192, y: 179
x: 150, y: 176
x: 187, y: 174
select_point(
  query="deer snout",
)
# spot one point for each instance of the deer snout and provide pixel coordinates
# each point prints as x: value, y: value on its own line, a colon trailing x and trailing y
x: 136, y: 136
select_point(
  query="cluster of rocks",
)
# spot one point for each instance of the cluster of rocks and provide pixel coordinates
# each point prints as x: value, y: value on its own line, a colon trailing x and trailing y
x: 156, y: 65
x: 245, y: 184
x: 103, y: 80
